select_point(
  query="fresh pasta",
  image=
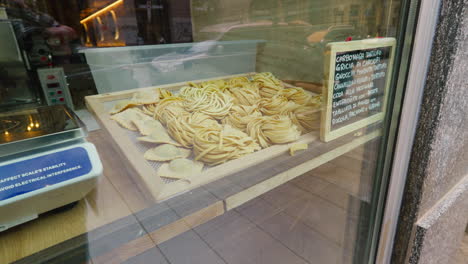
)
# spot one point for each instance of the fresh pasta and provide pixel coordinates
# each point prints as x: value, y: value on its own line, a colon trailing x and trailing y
x: 306, y: 118
x: 217, y: 145
x: 273, y: 130
x: 297, y: 95
x: 241, y: 115
x: 217, y: 121
x: 244, y: 96
x: 277, y: 105
x: 184, y: 127
x: 238, y: 81
x: 169, y: 108
x: 163, y: 93
x: 269, y: 84
x: 215, y: 104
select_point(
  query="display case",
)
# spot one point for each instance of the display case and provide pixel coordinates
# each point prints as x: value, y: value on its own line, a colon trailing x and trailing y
x: 252, y: 131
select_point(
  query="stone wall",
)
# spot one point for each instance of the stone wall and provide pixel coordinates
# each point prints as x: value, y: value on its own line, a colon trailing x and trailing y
x: 434, y: 210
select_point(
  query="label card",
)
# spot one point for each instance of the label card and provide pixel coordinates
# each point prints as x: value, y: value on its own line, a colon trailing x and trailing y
x: 357, y: 79
x: 36, y: 173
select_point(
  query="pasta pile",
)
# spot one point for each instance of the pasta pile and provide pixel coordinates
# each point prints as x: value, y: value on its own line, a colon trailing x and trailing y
x: 207, y: 100
x: 241, y: 115
x: 183, y: 127
x: 168, y: 109
x: 296, y: 95
x: 244, y: 95
x: 277, y: 105
x: 216, y: 121
x: 305, y: 118
x: 216, y: 84
x: 238, y: 81
x: 269, y: 130
x: 215, y: 146
x: 269, y: 84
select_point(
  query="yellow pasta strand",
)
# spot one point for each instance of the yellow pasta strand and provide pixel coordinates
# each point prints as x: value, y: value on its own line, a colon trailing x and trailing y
x: 184, y: 127
x: 273, y: 130
x: 269, y: 84
x: 241, y: 115
x: 218, y: 145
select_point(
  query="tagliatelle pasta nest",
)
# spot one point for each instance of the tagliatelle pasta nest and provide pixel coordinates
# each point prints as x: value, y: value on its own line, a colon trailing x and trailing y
x: 306, y: 118
x: 218, y: 84
x: 215, y: 104
x: 277, y: 105
x: 297, y: 95
x: 149, y: 109
x: 184, y: 127
x: 269, y: 84
x: 221, y: 84
x: 238, y: 81
x: 169, y: 108
x: 218, y: 145
x: 241, y: 115
x: 246, y: 95
x: 273, y: 130
x: 190, y: 92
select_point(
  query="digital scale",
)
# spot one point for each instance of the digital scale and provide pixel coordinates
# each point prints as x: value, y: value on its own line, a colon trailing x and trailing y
x: 45, y: 163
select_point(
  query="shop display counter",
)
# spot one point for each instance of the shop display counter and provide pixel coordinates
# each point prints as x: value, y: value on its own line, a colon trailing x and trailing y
x: 250, y: 166
x: 133, y: 150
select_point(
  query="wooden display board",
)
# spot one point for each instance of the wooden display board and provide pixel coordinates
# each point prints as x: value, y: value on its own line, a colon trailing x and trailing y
x: 357, y: 79
x: 147, y: 173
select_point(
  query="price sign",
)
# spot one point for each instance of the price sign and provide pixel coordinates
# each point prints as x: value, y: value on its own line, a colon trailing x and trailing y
x: 357, y: 78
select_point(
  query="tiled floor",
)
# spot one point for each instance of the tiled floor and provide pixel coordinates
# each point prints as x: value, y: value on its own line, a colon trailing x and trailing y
x: 461, y: 255
x: 310, y: 219
x: 307, y: 220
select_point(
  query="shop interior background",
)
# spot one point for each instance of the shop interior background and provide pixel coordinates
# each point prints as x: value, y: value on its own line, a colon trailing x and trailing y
x: 289, y: 39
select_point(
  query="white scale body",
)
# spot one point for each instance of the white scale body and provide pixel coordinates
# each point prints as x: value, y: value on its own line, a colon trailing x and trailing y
x: 45, y: 178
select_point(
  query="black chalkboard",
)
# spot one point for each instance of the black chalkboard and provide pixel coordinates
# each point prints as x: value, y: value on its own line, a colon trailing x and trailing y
x: 357, y: 81
x: 359, y: 85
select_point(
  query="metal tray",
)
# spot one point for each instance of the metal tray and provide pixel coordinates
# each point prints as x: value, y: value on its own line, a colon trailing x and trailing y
x: 31, y: 129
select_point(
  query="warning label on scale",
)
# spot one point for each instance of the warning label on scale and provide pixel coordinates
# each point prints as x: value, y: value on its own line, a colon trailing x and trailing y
x: 33, y: 174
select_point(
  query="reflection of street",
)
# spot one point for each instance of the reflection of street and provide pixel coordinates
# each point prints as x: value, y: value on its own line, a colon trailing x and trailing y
x: 296, y: 44
x: 295, y: 33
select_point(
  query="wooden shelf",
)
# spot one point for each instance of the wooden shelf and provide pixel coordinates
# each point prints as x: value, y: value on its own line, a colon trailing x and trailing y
x: 121, y: 206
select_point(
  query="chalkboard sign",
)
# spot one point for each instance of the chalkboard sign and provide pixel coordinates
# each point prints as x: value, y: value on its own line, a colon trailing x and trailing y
x: 357, y: 76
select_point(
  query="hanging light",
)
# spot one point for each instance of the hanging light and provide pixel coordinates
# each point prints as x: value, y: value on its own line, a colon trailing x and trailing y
x: 102, y: 11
